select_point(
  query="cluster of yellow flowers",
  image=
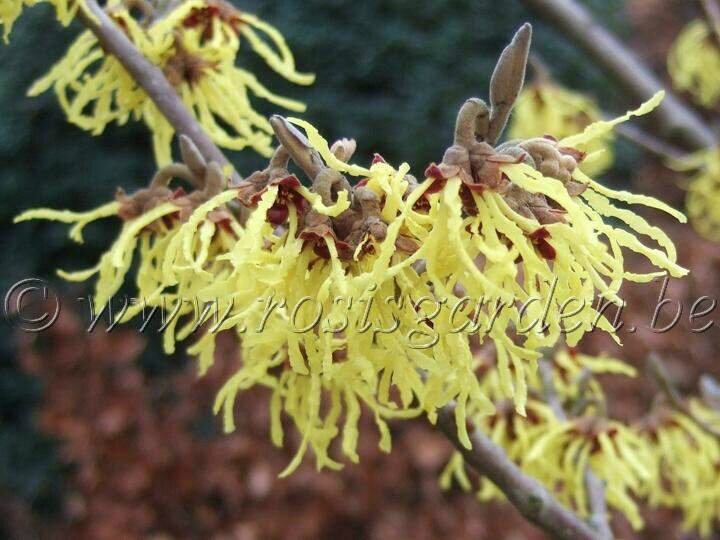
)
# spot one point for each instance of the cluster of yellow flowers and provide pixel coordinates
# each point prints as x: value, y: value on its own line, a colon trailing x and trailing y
x: 703, y: 191
x: 557, y: 451
x: 666, y: 459
x: 196, y: 44
x: 685, y: 461
x: 371, y: 289
x: 547, y: 108
x: 694, y: 63
x: 153, y: 219
x: 377, y: 293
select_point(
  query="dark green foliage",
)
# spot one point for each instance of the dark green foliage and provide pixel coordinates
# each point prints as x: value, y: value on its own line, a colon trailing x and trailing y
x: 393, y: 74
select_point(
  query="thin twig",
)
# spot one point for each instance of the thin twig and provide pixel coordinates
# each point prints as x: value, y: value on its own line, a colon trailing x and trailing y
x: 712, y: 12
x: 657, y: 367
x: 710, y: 392
x: 528, y: 495
x: 674, y: 120
x: 594, y: 486
x: 541, y: 73
x: 598, y: 519
x: 658, y: 147
x: 582, y: 383
x: 631, y: 132
x: 549, y: 392
x: 152, y: 80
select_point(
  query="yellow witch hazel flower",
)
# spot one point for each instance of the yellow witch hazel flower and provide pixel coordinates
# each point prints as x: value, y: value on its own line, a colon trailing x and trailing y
x: 196, y: 44
x: 703, y: 191
x: 370, y: 293
x: 523, y: 221
x: 557, y: 452
x: 10, y: 10
x: 685, y: 466
x: 545, y: 108
x: 553, y: 216
x: 612, y: 451
x: 341, y: 319
x: 694, y: 63
x: 156, y: 222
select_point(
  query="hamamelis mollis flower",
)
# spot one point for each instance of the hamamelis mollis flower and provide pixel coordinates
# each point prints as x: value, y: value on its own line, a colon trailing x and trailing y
x: 515, y: 434
x: 10, y: 10
x: 341, y: 269
x: 160, y: 223
x: 557, y: 452
x: 520, y: 225
x: 373, y: 285
x: 196, y: 44
x: 694, y: 63
x: 685, y: 466
x: 521, y: 220
x: 613, y: 452
x: 374, y: 294
x: 703, y: 191
x: 545, y: 108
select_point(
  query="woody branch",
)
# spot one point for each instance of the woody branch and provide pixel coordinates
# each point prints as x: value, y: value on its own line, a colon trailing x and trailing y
x: 675, y: 121
x: 524, y: 492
